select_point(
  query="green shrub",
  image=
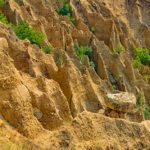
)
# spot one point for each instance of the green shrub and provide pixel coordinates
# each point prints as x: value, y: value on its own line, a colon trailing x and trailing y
x: 3, y: 18
x: 118, y: 49
x: 141, y: 56
x: 24, y: 31
x: 82, y: 51
x: 60, y: 59
x: 47, y: 49
x: 72, y: 19
x: 136, y: 63
x: 92, y: 29
x: 146, y: 112
x: 87, y: 51
x: 141, y: 103
x: 2, y: 2
x: 92, y: 64
x: 66, y: 11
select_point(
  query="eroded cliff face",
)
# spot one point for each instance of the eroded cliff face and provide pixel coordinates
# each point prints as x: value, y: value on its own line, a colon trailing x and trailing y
x: 51, y: 105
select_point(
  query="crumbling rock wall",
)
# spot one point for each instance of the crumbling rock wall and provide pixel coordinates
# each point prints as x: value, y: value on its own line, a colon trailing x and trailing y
x: 38, y: 95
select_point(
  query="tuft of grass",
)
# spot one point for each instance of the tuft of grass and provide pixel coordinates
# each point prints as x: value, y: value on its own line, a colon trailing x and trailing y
x: 119, y: 49
x: 92, y: 64
x: 146, y: 111
x: 147, y: 76
x: 82, y: 51
x: 24, y: 31
x: 93, y: 30
x: 60, y: 59
x: 72, y: 19
x: 140, y: 100
x: 136, y: 63
x: 3, y: 18
x: 141, y: 103
x: 47, y: 49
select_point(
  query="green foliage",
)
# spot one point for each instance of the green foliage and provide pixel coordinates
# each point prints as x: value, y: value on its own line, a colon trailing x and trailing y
x: 146, y: 112
x: 140, y: 103
x: 3, y: 18
x: 24, y: 31
x: 141, y: 56
x: 2, y: 2
x: 92, y: 64
x: 136, y: 63
x: 71, y: 18
x: 147, y: 76
x: 47, y: 49
x: 140, y: 100
x: 60, y: 59
x: 118, y: 49
x: 66, y: 11
x: 82, y: 51
x: 92, y: 29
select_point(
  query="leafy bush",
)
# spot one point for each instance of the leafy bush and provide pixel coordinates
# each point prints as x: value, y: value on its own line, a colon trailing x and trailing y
x: 142, y: 56
x: 66, y: 11
x: 82, y: 51
x: 118, y: 49
x: 47, y: 49
x: 24, y: 31
x: 2, y: 2
x: 3, y: 18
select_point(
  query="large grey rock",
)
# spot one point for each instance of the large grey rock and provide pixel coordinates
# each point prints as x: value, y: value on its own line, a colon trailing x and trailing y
x: 122, y: 102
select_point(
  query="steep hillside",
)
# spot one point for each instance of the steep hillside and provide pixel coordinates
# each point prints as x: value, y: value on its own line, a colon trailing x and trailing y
x: 75, y: 74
